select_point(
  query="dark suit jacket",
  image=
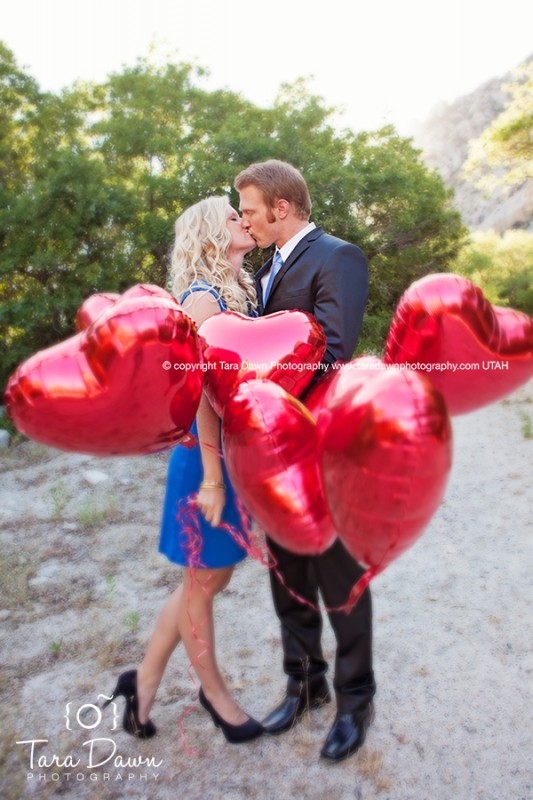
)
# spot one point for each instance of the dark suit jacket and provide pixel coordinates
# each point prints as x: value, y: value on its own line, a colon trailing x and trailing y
x: 328, y: 278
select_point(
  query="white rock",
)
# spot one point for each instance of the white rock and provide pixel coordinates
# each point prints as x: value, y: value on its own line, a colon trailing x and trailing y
x: 94, y: 476
x: 48, y: 571
x: 4, y: 439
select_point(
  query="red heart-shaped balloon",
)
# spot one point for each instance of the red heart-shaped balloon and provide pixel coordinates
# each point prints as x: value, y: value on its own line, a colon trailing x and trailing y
x: 385, y: 454
x: 270, y: 453
x: 129, y: 384
x: 473, y: 352
x: 90, y: 309
x: 285, y: 347
x: 340, y: 378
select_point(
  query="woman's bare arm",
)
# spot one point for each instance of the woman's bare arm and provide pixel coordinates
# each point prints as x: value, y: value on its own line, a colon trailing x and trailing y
x: 200, y: 306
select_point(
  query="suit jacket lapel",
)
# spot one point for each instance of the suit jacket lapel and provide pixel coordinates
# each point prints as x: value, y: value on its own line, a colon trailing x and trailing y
x: 300, y: 248
x: 258, y: 287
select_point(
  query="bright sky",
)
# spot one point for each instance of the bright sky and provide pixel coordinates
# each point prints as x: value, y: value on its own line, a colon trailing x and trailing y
x: 380, y: 60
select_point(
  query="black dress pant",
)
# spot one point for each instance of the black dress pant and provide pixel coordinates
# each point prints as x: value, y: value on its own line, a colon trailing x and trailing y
x: 333, y: 574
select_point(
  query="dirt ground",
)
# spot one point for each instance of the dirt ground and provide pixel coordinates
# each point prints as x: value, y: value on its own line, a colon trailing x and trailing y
x: 82, y: 583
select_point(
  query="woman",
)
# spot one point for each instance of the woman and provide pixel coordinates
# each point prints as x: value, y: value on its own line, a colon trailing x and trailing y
x: 206, y: 277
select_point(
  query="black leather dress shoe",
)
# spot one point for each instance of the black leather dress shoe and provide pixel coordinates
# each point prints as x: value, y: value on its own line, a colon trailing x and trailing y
x: 347, y: 734
x: 291, y: 708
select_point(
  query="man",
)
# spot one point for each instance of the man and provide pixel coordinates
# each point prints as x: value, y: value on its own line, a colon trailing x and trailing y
x: 327, y: 277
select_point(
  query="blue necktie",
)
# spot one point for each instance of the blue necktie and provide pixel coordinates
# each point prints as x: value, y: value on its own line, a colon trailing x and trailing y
x: 277, y: 264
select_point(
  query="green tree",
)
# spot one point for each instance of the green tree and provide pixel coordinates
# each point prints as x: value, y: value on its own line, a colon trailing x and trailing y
x: 60, y: 227
x: 500, y: 265
x: 93, y: 178
x: 142, y: 137
x: 18, y: 97
x: 369, y: 188
x: 507, y: 144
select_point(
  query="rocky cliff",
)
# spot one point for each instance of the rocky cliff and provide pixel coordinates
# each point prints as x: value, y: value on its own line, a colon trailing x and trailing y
x: 444, y: 139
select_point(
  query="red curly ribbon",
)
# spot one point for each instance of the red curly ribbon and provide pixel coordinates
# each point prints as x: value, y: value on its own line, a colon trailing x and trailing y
x: 255, y: 546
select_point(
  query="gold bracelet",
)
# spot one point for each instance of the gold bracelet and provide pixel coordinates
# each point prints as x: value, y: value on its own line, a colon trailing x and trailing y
x: 213, y: 485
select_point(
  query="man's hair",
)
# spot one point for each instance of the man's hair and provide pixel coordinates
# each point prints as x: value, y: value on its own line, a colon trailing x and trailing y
x: 277, y: 180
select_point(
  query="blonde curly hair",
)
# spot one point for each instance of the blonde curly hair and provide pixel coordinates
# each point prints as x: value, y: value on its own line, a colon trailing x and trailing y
x: 200, y: 251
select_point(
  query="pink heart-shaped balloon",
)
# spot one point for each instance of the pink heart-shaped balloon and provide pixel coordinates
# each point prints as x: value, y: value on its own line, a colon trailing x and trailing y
x: 385, y: 455
x: 473, y: 352
x: 285, y: 347
x: 128, y: 384
x: 270, y: 453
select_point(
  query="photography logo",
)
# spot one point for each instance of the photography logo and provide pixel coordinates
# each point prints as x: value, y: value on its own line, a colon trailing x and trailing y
x: 95, y: 759
x: 90, y: 716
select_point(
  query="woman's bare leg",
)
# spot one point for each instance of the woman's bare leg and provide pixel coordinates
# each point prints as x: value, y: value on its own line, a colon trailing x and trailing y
x: 188, y: 615
x: 163, y: 641
x: 197, y: 631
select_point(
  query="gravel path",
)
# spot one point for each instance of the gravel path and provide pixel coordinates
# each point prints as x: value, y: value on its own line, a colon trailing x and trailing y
x: 83, y: 582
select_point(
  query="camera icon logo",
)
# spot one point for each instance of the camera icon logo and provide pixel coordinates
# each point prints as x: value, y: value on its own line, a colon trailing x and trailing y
x: 90, y: 716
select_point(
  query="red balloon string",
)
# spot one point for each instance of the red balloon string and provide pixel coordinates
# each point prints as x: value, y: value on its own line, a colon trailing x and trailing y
x: 188, y: 520
x: 189, y: 751
x: 213, y: 448
x: 257, y: 548
x: 251, y: 541
x: 358, y: 589
x: 188, y: 440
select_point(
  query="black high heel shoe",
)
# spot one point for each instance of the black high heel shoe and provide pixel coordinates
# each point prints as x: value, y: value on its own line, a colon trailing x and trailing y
x: 127, y: 688
x: 236, y: 734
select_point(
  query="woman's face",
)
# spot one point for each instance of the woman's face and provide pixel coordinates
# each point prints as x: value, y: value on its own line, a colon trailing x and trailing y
x: 241, y: 241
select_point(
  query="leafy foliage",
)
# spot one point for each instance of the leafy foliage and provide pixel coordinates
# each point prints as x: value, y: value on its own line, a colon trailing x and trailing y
x: 508, y: 142
x: 92, y: 179
x: 502, y: 266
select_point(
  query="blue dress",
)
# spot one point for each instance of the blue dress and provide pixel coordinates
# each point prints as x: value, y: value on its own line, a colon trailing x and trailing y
x: 185, y: 472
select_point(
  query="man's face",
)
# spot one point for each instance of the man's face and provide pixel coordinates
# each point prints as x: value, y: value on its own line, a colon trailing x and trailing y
x: 257, y: 218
